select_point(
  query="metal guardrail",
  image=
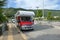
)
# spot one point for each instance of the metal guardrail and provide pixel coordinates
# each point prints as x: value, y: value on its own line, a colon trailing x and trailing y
x: 3, y: 27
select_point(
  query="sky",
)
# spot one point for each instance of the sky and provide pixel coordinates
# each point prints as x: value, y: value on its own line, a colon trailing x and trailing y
x: 34, y: 4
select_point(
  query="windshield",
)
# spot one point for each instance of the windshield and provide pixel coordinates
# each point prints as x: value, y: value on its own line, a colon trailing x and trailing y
x: 24, y: 18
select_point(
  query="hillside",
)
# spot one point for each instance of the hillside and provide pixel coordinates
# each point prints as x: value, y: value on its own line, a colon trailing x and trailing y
x: 54, y: 12
x: 12, y: 11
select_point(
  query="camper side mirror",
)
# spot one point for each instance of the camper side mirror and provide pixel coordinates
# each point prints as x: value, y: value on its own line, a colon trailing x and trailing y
x: 18, y: 21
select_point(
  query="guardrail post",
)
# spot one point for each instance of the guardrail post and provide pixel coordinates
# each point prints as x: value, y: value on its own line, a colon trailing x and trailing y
x: 0, y: 29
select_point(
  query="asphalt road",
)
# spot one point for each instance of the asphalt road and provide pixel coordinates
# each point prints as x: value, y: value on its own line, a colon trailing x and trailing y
x: 43, y: 30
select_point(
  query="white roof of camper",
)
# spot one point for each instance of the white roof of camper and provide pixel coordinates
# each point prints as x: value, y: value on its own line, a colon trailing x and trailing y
x: 25, y: 13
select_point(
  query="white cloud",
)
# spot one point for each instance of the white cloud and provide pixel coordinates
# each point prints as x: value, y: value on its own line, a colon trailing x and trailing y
x: 32, y: 4
x: 51, y: 4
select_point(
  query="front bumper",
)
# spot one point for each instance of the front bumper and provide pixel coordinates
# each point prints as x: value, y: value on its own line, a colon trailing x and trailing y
x: 27, y: 27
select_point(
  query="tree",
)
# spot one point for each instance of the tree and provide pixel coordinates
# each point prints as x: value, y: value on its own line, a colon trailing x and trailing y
x: 49, y: 15
x: 2, y: 17
x: 39, y: 13
x: 2, y: 3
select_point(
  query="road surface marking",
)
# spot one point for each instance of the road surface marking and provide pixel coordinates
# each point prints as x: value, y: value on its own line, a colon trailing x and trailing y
x: 10, y: 36
x: 22, y: 34
x: 1, y: 37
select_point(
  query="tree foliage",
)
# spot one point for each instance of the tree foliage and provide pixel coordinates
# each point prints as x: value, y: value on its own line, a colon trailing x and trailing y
x: 2, y: 3
x: 38, y: 13
x: 49, y: 15
x: 2, y: 17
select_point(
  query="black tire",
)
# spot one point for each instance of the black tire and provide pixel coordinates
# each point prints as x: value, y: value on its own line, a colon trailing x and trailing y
x: 21, y: 29
x: 18, y: 26
x: 32, y: 29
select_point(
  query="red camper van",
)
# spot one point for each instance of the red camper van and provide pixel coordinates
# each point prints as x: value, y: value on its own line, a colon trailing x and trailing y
x: 25, y: 19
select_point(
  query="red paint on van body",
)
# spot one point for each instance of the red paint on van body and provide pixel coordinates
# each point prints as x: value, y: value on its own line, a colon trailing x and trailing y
x: 25, y: 23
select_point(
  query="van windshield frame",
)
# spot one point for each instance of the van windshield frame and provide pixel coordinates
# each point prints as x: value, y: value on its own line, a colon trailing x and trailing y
x: 25, y: 18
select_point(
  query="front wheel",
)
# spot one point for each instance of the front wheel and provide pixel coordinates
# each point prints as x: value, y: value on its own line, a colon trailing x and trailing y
x: 20, y: 28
